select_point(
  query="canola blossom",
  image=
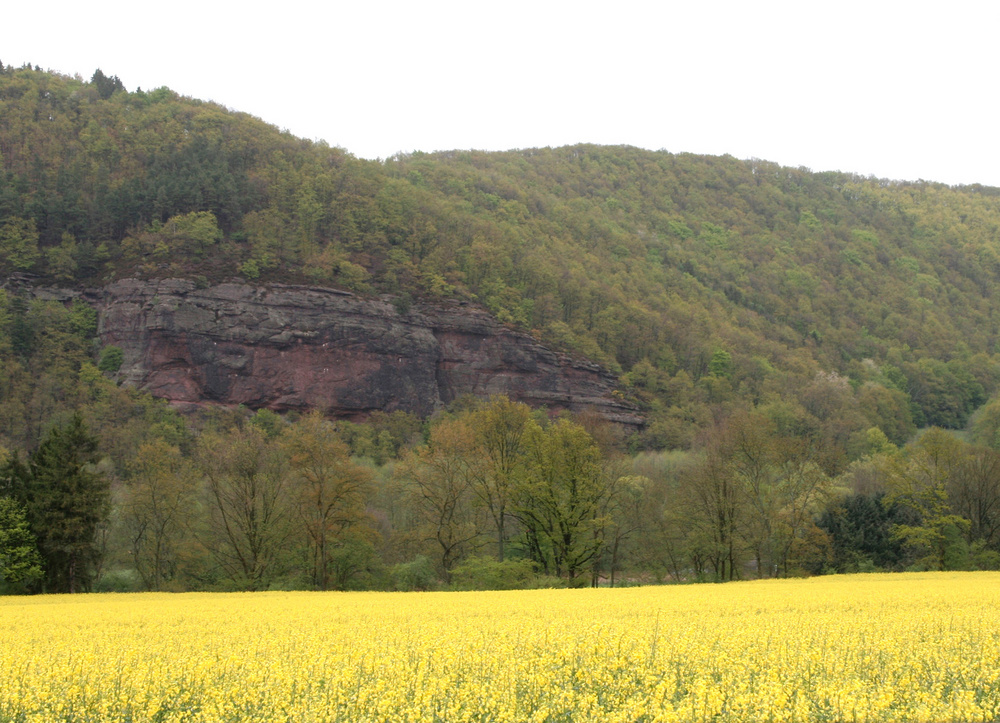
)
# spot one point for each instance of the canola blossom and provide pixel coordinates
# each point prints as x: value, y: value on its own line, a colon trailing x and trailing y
x: 914, y: 647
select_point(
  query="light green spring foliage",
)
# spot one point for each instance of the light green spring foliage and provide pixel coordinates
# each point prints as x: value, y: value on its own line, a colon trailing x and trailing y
x: 709, y: 282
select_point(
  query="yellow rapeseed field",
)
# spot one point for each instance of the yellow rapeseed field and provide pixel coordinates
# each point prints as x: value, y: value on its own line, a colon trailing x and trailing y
x: 916, y: 647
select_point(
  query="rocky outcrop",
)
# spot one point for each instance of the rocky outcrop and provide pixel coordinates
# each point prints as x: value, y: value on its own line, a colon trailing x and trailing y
x: 294, y: 347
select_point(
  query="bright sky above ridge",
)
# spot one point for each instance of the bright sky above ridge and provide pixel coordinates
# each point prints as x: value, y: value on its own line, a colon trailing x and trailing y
x: 898, y: 90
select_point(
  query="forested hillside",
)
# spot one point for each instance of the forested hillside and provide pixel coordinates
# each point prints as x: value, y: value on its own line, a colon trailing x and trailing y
x: 788, y: 330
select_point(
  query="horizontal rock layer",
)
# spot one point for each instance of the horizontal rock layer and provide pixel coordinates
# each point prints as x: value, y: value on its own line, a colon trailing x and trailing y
x: 293, y: 347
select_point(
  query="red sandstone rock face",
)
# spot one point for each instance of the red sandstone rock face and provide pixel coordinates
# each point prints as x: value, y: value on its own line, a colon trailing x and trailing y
x: 292, y: 347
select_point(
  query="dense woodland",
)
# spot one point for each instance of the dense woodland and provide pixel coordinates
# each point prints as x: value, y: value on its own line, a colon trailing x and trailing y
x: 815, y: 355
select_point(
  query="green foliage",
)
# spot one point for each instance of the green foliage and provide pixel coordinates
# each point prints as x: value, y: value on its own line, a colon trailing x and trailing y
x: 331, y: 491
x: 945, y: 393
x: 417, y: 574
x: 268, y: 422
x: 860, y: 527
x: 984, y: 427
x: 721, y: 363
x: 62, y: 260
x: 383, y: 436
x: 18, y: 244
x: 196, y: 231
x: 250, y: 269
x: 250, y: 508
x: 355, y: 565
x: 67, y: 501
x: 487, y: 573
x: 20, y: 563
x: 562, y: 499
x: 920, y: 480
x: 111, y: 359
x: 983, y: 558
x: 106, y: 86
x: 119, y: 580
x: 613, y: 253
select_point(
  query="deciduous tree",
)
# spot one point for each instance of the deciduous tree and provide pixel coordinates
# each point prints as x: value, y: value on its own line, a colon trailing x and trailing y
x: 918, y: 479
x: 328, y: 489
x: 442, y: 476
x: 246, y: 477
x: 157, y: 504
x: 562, y: 498
x: 501, y: 430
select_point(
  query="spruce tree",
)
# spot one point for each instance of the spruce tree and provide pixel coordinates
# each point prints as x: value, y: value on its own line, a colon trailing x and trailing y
x: 67, y: 500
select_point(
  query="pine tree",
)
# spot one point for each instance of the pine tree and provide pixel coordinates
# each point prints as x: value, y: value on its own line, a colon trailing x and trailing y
x: 66, y: 502
x: 106, y: 85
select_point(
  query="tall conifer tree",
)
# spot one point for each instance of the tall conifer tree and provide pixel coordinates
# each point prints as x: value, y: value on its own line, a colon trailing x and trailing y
x: 67, y: 500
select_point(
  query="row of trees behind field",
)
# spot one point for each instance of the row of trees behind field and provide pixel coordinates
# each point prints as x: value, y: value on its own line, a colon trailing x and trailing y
x: 486, y: 494
x: 259, y: 500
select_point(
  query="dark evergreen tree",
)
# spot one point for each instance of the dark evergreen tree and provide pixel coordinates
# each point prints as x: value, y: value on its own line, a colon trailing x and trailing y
x: 14, y: 476
x: 22, y: 335
x: 106, y: 86
x: 861, y: 531
x: 67, y: 500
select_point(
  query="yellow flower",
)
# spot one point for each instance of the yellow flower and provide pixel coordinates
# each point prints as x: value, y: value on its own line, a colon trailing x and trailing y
x: 867, y: 648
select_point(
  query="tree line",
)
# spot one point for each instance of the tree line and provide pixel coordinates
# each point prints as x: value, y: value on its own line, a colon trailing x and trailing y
x: 488, y: 493
x: 258, y: 500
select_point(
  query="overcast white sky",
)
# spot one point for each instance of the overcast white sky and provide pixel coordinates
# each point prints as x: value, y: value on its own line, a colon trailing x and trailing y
x: 900, y: 90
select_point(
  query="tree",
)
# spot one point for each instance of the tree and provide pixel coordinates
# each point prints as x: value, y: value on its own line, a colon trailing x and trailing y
x: 918, y: 480
x: 501, y: 430
x: 974, y: 494
x: 714, y: 498
x: 623, y: 512
x: 155, y: 509
x: 800, y: 491
x: 442, y: 475
x: 192, y: 232
x: 20, y: 563
x: 329, y: 490
x: 67, y: 502
x: 183, y: 235
x: 18, y: 244
x: 889, y: 410
x: 945, y: 392
x: 309, y: 213
x: 561, y: 501
x: 860, y: 529
x: 106, y: 86
x: 246, y: 478
x: 752, y: 460
x: 660, y: 507
x: 753, y: 494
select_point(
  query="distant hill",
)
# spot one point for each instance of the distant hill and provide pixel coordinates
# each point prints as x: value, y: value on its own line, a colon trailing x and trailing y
x: 832, y: 302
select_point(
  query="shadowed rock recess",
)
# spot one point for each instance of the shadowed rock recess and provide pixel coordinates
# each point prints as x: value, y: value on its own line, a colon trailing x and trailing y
x: 296, y: 347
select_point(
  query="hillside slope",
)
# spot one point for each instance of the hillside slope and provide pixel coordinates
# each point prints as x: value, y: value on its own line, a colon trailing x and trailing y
x: 834, y: 302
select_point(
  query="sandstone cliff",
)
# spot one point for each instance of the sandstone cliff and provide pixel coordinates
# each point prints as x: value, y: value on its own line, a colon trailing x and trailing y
x: 294, y: 347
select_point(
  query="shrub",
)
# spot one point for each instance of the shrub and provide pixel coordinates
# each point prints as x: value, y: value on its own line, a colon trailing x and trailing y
x: 111, y: 359
x: 417, y: 574
x: 484, y: 573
